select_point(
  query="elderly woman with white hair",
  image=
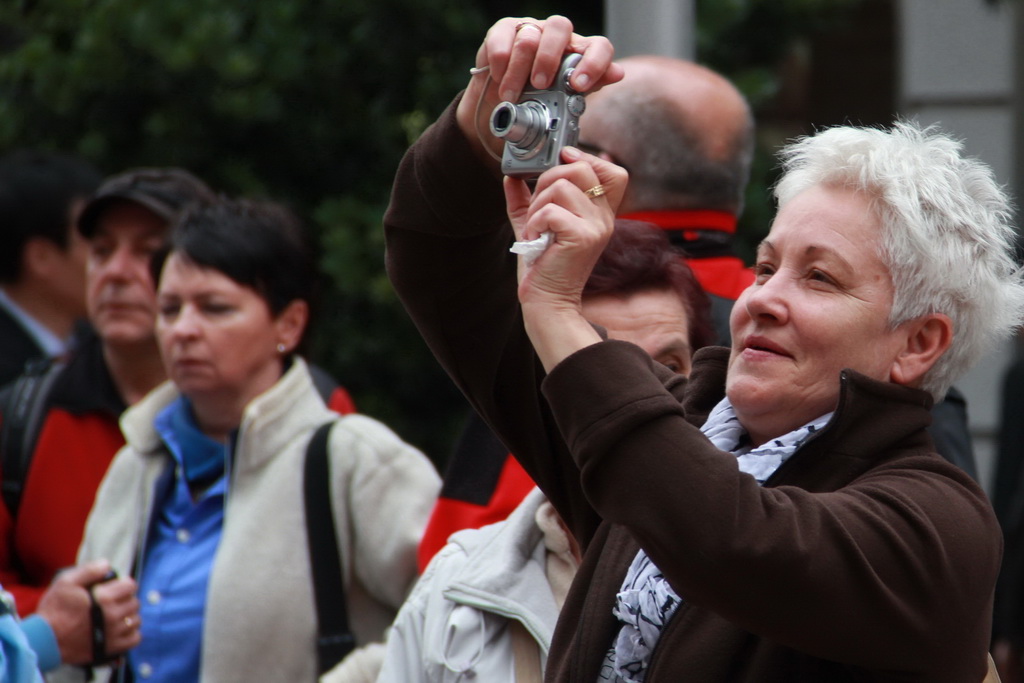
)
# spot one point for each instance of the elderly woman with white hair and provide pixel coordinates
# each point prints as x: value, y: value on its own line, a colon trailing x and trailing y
x: 781, y: 515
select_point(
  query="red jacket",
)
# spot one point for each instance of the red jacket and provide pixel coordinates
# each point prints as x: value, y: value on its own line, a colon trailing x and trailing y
x: 78, y: 439
x: 483, y: 484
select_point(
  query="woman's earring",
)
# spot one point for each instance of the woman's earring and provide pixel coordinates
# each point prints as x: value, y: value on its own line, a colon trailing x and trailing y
x: 281, y: 348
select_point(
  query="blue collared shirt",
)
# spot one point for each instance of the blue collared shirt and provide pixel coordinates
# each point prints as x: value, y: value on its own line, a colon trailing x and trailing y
x: 181, y: 547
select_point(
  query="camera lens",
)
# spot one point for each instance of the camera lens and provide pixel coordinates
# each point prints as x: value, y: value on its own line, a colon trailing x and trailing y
x: 502, y: 119
x: 522, y: 125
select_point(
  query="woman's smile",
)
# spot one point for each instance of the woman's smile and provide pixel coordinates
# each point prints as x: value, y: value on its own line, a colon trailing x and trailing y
x: 756, y: 347
x: 820, y: 303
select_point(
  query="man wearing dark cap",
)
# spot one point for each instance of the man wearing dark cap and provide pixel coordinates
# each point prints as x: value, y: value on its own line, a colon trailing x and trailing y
x: 50, y: 478
x: 42, y: 258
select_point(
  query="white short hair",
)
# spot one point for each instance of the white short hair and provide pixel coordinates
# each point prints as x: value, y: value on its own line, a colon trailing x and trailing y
x: 947, y: 236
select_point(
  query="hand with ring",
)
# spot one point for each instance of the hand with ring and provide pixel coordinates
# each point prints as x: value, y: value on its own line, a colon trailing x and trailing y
x: 524, y: 51
x: 67, y: 607
x: 574, y: 203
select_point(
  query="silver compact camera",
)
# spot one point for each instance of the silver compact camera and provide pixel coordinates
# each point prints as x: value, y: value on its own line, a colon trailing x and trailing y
x: 537, y: 127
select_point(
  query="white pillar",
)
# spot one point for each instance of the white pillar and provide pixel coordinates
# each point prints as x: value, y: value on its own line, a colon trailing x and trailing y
x: 659, y: 27
x: 1018, y: 114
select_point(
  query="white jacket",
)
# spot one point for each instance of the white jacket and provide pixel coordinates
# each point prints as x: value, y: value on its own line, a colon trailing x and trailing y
x: 454, y: 626
x: 260, y: 621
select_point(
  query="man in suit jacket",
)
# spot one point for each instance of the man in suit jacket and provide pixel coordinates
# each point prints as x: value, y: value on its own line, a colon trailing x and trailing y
x: 42, y: 256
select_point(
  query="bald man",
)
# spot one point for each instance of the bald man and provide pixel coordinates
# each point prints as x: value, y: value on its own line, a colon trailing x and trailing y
x: 686, y: 136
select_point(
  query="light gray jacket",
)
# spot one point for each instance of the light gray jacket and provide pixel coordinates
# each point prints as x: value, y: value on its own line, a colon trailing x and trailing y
x: 260, y: 622
x: 455, y: 625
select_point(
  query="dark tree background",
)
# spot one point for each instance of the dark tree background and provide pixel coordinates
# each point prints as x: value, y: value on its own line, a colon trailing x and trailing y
x: 313, y: 103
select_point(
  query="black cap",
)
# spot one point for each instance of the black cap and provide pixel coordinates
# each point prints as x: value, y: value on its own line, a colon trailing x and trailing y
x: 164, y: 191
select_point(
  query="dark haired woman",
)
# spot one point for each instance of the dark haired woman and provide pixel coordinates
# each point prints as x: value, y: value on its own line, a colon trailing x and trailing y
x: 204, y: 505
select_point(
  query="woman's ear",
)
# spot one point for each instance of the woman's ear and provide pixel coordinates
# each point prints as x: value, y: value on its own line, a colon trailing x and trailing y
x: 291, y: 323
x: 927, y: 338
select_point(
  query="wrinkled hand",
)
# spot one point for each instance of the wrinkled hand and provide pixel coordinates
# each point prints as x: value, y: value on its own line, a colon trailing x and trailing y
x: 65, y: 605
x: 580, y: 225
x: 517, y: 51
x: 551, y: 289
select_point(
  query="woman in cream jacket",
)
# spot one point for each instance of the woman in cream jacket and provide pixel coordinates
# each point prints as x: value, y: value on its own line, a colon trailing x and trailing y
x: 204, y: 505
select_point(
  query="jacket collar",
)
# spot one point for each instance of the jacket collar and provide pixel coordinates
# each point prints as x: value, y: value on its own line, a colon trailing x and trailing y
x: 289, y: 409
x: 504, y: 571
x: 85, y: 384
x: 897, y: 415
x: 688, y: 219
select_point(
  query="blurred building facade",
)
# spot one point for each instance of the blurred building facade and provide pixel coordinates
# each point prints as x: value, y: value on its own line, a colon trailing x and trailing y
x: 959, y: 65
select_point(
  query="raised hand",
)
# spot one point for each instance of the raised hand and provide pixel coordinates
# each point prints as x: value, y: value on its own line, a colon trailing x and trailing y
x: 517, y: 51
x: 575, y: 204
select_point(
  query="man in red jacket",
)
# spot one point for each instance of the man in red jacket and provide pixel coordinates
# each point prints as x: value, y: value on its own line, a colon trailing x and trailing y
x: 55, y: 449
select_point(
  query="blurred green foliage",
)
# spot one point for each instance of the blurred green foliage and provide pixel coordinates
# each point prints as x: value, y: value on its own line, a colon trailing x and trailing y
x: 747, y: 41
x: 311, y: 103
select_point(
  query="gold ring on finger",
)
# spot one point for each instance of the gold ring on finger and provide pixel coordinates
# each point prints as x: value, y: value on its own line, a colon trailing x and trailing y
x: 523, y: 24
x: 595, y: 192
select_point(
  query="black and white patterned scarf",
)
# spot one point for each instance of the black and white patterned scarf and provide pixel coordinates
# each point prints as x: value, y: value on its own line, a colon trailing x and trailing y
x: 646, y: 601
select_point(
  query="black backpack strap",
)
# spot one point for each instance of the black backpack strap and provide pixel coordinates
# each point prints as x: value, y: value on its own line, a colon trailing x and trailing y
x: 334, y: 639
x: 24, y: 408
